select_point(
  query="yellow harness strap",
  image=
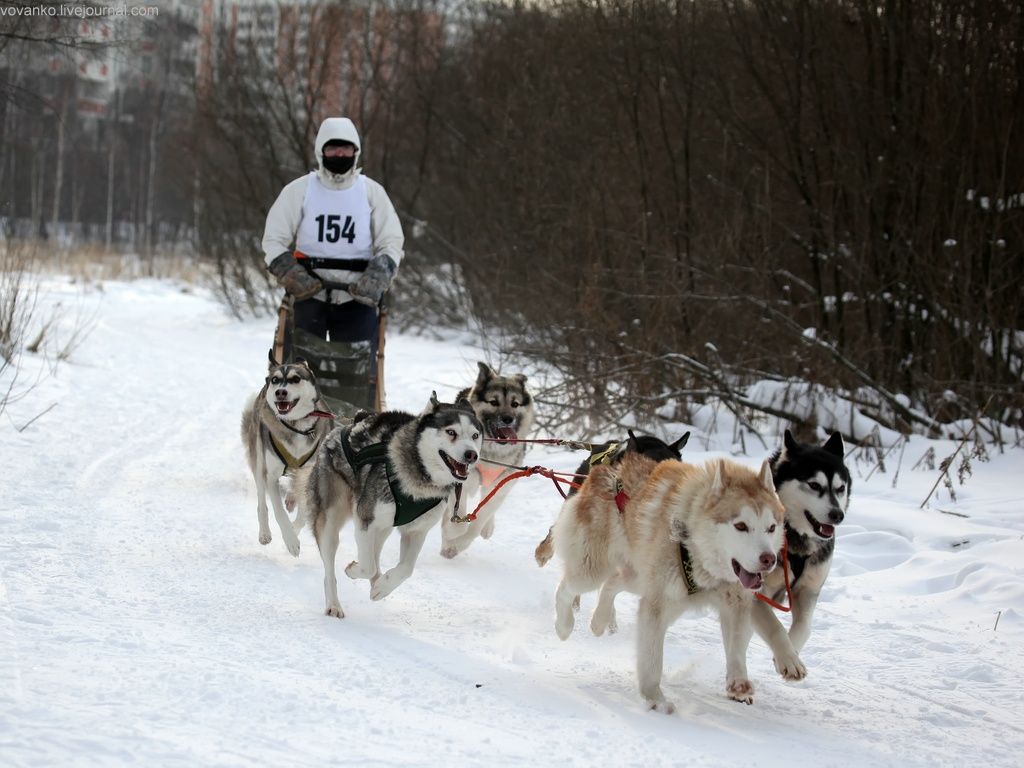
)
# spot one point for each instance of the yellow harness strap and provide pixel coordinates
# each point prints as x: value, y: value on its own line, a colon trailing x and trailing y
x: 604, y: 456
x: 291, y: 462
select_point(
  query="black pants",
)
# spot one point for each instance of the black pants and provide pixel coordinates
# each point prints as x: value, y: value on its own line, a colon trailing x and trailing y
x: 350, y: 321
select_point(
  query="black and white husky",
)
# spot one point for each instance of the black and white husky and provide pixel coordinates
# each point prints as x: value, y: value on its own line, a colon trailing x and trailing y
x: 388, y: 470
x: 282, y: 426
x: 504, y: 407
x: 813, y: 484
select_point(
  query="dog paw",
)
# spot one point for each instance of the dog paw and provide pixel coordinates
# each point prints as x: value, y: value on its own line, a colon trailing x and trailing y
x: 488, y: 529
x: 265, y: 537
x: 791, y: 668
x: 383, y: 586
x: 292, y: 544
x: 741, y: 691
x: 564, y: 625
x: 600, y: 624
x: 449, y: 552
x: 335, y: 611
x: 661, y: 704
x: 355, y: 571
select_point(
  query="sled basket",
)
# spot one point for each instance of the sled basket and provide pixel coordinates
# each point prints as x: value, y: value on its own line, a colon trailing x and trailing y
x: 345, y: 371
x: 350, y: 379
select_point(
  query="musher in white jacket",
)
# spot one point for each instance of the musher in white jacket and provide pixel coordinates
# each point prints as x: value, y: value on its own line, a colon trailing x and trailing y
x: 344, y: 230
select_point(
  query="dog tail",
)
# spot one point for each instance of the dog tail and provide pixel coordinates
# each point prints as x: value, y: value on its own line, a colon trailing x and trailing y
x: 545, y: 549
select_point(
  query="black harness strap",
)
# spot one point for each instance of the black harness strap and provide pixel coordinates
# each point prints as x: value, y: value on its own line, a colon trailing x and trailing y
x: 407, y: 508
x: 686, y: 567
x: 796, y: 567
x: 318, y: 262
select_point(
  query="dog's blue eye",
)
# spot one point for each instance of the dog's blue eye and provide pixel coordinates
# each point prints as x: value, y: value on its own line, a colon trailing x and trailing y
x: 476, y: 435
x: 275, y: 380
x: 451, y: 433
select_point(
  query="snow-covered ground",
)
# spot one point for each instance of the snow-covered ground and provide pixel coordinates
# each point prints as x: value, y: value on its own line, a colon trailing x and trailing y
x: 140, y: 619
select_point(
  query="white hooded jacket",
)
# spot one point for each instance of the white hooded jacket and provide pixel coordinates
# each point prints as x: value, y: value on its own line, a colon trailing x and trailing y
x: 286, y: 213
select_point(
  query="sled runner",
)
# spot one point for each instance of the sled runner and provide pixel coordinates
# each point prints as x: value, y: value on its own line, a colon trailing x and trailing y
x: 349, y: 379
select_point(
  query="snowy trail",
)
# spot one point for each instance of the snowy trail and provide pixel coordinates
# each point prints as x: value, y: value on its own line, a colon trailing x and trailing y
x: 140, y: 620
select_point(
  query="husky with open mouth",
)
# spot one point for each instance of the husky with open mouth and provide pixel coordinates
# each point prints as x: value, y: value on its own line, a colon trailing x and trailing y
x: 282, y: 426
x: 682, y: 537
x: 813, y: 483
x: 388, y: 470
x: 504, y: 407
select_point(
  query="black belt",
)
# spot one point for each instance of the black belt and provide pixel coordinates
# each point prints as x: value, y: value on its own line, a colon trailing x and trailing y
x: 318, y: 262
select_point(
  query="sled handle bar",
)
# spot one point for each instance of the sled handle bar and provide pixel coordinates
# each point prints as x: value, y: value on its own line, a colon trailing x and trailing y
x: 332, y: 286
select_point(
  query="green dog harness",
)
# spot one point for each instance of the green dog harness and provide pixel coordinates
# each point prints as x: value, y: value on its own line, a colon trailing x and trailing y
x: 407, y: 508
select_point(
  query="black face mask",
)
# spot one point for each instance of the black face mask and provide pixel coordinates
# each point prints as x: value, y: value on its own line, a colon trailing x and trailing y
x: 339, y: 165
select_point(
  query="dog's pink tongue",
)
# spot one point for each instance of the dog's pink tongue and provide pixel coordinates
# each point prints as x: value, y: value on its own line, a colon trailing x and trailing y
x: 506, y: 433
x: 748, y: 579
x: 827, y: 530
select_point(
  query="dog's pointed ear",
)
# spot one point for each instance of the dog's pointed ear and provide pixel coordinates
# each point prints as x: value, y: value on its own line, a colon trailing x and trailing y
x: 678, y: 445
x: 834, y: 445
x: 631, y: 443
x: 765, y: 475
x: 789, y: 441
x: 520, y: 379
x: 485, y: 374
x: 464, y: 404
x: 717, y: 477
x: 271, y: 362
x: 432, y: 404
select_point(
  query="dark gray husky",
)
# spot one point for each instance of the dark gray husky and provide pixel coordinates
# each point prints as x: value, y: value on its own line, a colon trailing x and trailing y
x: 504, y: 406
x: 388, y: 470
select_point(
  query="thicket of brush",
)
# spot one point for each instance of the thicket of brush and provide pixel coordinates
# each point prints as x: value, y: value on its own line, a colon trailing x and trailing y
x: 673, y: 200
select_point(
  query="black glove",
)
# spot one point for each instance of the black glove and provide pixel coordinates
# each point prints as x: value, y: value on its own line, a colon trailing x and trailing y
x: 372, y: 284
x: 294, y: 278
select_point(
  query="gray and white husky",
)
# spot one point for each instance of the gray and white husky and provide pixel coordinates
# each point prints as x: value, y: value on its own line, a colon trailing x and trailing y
x: 504, y: 407
x: 282, y: 426
x: 813, y: 484
x: 388, y: 470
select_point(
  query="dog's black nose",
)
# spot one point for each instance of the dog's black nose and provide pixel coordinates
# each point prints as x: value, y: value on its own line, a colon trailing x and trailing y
x: 767, y: 560
x: 471, y: 456
x: 281, y: 394
x: 836, y: 516
x: 508, y: 419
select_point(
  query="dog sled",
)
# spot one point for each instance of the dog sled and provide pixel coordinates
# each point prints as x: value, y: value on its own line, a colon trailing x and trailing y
x: 350, y: 377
